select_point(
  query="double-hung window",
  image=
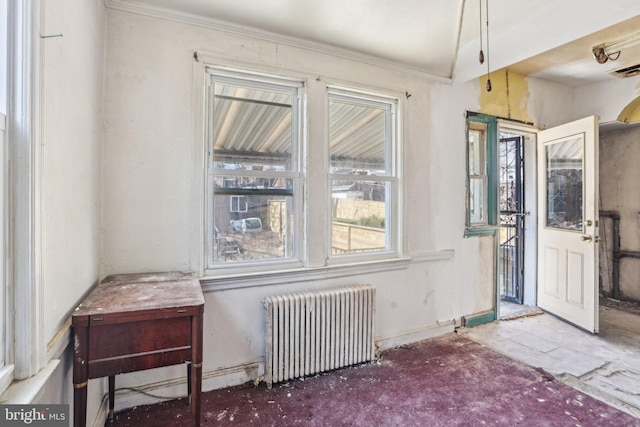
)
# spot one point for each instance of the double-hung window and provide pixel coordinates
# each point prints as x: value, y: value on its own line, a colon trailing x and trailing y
x: 481, y: 174
x: 363, y: 175
x: 254, y: 174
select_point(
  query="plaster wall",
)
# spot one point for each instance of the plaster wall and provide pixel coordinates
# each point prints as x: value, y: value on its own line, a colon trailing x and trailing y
x: 153, y: 204
x: 71, y: 164
x: 619, y: 175
x: 71, y: 134
x: 607, y: 99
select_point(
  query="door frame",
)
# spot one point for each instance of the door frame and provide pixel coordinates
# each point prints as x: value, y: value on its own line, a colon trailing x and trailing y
x: 530, y: 134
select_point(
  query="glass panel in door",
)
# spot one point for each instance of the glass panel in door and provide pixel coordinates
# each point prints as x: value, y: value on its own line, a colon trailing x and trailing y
x: 564, y: 161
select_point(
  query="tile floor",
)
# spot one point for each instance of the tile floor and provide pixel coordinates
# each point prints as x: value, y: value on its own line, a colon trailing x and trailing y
x: 605, y: 366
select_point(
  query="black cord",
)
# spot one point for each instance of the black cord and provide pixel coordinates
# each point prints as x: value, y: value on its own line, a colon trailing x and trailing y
x: 488, y: 68
x: 481, y: 55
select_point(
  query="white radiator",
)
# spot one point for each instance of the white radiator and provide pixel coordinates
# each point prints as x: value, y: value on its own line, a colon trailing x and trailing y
x: 311, y: 332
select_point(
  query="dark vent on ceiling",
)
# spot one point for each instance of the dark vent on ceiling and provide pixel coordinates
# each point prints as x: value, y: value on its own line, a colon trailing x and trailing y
x: 627, y: 71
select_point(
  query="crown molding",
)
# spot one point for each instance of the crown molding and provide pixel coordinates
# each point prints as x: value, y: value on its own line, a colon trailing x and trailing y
x: 140, y: 8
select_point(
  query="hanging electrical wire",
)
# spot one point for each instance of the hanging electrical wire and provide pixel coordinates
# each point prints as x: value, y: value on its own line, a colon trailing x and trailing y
x: 488, y: 68
x: 481, y: 55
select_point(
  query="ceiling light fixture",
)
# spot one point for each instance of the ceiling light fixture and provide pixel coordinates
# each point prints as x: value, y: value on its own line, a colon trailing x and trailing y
x: 612, y: 50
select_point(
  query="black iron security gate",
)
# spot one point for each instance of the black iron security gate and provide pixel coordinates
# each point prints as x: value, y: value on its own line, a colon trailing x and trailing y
x: 511, y: 195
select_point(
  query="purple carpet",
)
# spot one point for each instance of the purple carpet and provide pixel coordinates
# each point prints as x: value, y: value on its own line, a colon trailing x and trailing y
x: 446, y: 381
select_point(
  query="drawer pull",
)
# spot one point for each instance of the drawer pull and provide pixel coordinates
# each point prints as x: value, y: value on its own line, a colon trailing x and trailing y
x: 182, y: 311
x: 98, y: 318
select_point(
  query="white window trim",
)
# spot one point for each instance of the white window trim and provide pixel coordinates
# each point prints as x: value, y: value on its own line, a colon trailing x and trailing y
x: 23, y: 276
x: 393, y: 219
x: 296, y: 173
x: 274, y: 273
x: 6, y: 370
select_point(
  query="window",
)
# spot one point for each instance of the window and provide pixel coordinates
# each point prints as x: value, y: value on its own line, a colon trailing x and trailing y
x: 481, y: 174
x: 363, y: 173
x: 253, y: 171
x: 477, y: 173
x: 239, y: 204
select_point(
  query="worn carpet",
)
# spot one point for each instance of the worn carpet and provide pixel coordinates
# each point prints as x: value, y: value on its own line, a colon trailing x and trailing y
x: 446, y: 381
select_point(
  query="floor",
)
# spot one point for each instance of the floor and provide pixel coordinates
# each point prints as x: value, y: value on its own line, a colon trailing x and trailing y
x: 605, y: 366
x: 446, y: 381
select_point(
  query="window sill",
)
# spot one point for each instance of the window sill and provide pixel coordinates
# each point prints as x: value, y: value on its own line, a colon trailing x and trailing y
x: 489, y: 230
x: 248, y: 280
x: 27, y: 391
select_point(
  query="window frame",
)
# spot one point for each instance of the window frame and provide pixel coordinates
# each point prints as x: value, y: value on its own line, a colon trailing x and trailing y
x: 296, y: 173
x: 391, y: 177
x: 490, y: 177
x: 236, y: 201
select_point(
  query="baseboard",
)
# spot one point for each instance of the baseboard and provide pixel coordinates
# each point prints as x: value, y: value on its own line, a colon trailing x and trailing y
x: 479, y: 319
x: 415, y: 335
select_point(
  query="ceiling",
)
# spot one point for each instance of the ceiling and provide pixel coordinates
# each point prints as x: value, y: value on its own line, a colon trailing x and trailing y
x: 435, y: 38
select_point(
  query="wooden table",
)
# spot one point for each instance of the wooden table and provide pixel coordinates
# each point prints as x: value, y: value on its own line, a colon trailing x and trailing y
x: 131, y: 322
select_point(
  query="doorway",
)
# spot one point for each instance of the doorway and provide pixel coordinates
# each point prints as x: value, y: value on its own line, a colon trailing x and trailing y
x: 517, y: 218
x: 511, y: 202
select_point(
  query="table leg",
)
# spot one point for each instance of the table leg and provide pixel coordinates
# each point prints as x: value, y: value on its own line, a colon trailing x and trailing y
x: 112, y: 395
x: 80, y: 405
x: 189, y: 381
x: 80, y: 375
x: 196, y: 368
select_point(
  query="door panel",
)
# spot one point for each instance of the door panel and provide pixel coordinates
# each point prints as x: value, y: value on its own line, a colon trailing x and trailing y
x: 551, y: 271
x: 568, y: 222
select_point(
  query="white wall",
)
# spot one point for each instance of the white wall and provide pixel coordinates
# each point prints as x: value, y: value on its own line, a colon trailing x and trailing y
x: 607, y: 99
x: 152, y: 202
x: 551, y: 104
x: 71, y: 165
x: 72, y: 102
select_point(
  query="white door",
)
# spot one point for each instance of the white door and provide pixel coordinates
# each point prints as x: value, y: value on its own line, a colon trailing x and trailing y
x: 568, y: 222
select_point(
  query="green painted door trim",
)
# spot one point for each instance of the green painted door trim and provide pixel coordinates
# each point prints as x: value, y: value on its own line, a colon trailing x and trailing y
x: 480, y: 319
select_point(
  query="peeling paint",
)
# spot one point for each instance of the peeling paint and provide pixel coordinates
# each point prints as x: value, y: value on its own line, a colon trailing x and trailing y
x: 508, y: 98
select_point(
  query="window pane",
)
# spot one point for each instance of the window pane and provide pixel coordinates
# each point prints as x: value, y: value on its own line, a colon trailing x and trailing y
x: 253, y: 211
x: 476, y: 200
x: 476, y: 149
x: 564, y: 184
x: 357, y: 134
x: 252, y: 128
x: 264, y: 231
x: 359, y: 222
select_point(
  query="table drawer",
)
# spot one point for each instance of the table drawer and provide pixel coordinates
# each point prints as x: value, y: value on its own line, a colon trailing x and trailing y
x: 118, y: 339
